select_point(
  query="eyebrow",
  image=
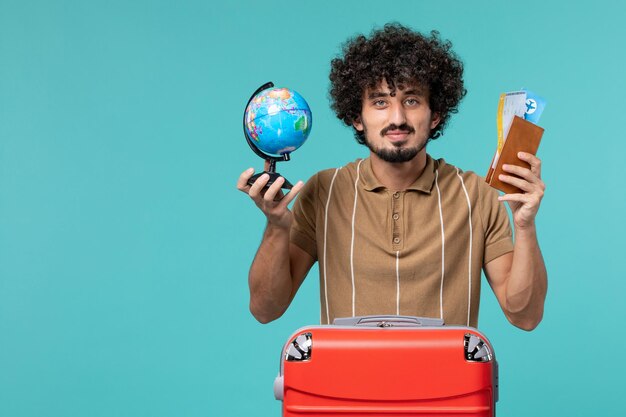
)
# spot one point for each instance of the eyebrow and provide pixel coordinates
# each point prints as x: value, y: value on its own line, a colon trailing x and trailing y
x: 377, y: 94
x: 414, y: 92
x: 409, y: 92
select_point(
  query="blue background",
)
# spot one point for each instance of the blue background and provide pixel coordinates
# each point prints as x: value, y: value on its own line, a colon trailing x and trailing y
x: 124, y: 245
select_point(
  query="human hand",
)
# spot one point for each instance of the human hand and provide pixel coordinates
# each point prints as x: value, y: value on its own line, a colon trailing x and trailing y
x: 271, y: 201
x: 524, y: 206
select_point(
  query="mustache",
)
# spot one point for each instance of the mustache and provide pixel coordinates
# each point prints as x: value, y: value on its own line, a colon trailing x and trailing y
x: 404, y: 127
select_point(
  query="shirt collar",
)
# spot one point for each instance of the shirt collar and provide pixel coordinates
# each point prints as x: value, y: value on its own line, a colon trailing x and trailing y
x: 423, y: 183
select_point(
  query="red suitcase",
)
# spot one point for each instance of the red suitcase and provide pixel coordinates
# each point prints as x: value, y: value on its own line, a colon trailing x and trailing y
x: 387, y: 366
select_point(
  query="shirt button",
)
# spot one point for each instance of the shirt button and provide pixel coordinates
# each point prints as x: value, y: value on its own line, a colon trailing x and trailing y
x: 396, y: 216
x: 396, y: 240
x: 396, y: 195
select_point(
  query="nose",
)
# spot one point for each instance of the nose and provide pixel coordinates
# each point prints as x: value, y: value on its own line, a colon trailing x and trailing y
x: 398, y: 115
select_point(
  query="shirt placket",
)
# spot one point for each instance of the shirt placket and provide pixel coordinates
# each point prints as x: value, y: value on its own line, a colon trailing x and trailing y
x: 397, y: 238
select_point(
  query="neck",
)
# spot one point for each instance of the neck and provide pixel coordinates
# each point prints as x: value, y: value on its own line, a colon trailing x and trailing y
x: 397, y: 176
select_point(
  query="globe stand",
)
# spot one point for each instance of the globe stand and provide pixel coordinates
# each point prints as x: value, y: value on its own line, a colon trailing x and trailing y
x: 273, y: 174
x: 269, y: 158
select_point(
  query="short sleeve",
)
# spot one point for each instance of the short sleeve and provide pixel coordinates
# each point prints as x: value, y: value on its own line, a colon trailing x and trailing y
x: 304, y: 217
x: 498, y: 236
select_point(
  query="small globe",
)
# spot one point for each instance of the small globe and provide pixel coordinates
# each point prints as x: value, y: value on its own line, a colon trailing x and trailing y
x: 278, y: 120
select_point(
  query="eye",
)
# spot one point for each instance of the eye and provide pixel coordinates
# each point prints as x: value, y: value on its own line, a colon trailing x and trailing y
x: 379, y: 103
x: 411, y: 102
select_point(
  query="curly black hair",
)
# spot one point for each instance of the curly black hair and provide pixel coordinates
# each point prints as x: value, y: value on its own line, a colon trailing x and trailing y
x: 400, y: 56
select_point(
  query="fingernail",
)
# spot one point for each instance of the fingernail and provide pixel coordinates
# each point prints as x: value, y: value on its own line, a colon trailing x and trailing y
x: 250, y: 170
x: 505, y: 166
x: 521, y: 154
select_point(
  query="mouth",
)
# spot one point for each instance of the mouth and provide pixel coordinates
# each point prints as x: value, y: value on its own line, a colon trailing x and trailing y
x: 397, y: 135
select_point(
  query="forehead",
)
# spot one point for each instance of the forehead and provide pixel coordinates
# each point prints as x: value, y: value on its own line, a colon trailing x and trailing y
x: 383, y: 89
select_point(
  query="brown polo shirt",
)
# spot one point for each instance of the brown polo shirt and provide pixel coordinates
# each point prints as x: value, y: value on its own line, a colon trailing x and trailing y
x: 414, y: 252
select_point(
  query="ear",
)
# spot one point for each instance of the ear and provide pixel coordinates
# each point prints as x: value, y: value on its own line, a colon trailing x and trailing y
x: 434, y: 120
x: 357, y: 124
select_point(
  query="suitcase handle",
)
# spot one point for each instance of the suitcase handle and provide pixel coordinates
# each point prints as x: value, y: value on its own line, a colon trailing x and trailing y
x: 387, y: 321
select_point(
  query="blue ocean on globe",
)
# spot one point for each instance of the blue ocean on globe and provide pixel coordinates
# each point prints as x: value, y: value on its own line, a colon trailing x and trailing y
x: 278, y: 120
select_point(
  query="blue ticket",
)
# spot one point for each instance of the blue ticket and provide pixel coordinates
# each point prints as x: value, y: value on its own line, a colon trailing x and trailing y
x: 534, y: 107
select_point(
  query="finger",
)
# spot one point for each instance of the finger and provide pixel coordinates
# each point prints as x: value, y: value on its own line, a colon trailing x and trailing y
x: 266, y: 167
x: 520, y: 183
x: 242, y: 182
x: 525, y: 173
x: 535, y: 163
x: 255, y: 189
x: 292, y: 193
x: 529, y: 199
x: 273, y: 190
x: 517, y: 197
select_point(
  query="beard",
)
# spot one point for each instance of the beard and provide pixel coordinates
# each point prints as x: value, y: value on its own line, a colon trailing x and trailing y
x: 398, y: 153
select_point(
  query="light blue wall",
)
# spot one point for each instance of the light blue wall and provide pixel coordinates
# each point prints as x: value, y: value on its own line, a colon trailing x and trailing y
x: 124, y: 245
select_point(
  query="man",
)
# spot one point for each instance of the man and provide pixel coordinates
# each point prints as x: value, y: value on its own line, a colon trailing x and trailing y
x: 399, y: 232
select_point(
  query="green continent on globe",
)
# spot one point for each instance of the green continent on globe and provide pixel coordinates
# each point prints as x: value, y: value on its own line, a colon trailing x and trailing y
x: 301, y: 123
